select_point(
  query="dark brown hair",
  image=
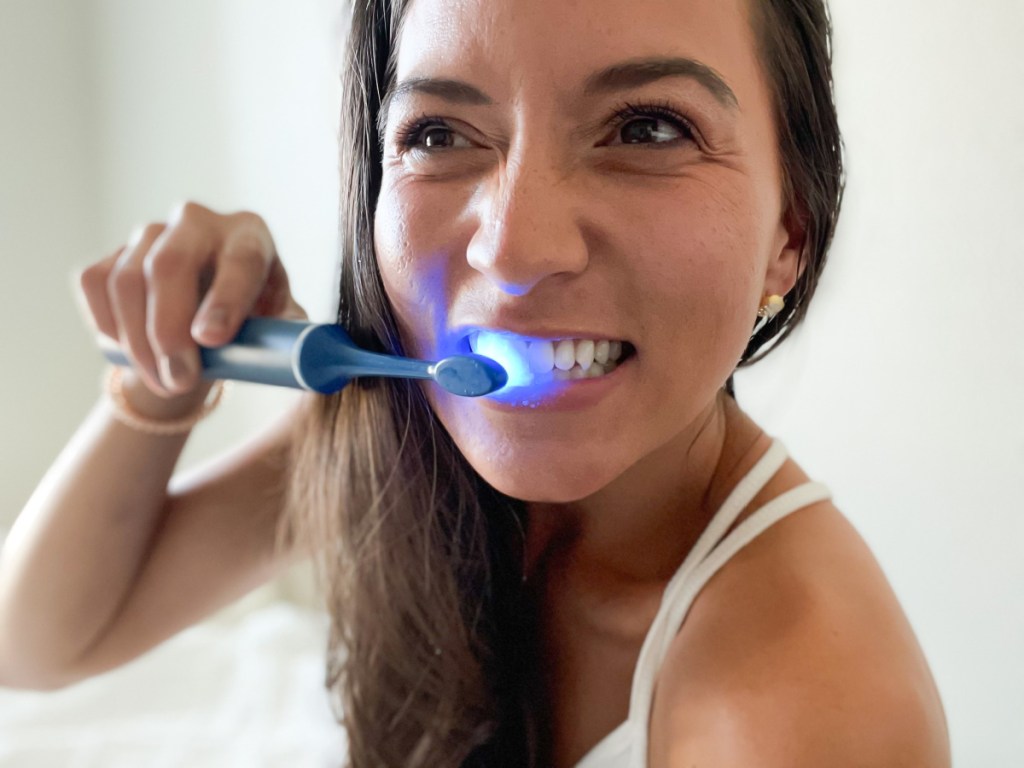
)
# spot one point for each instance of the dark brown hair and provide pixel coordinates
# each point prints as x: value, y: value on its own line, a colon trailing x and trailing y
x: 795, y: 45
x: 418, y: 558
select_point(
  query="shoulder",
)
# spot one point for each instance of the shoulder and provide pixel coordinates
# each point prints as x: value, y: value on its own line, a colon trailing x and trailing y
x: 797, y: 653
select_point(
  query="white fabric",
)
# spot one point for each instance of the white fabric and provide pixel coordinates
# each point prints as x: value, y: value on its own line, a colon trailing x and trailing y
x: 245, y: 693
x: 626, y: 745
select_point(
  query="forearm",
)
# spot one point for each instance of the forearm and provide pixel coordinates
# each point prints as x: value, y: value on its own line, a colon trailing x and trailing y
x: 74, y: 552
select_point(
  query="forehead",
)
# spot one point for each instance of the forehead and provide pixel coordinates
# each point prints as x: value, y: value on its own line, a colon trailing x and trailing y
x: 557, y: 43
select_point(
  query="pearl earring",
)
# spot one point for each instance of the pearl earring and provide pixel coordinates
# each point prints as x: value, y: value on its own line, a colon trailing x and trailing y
x: 771, y: 307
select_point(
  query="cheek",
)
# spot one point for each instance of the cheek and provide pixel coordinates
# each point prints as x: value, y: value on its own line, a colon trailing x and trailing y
x: 412, y: 270
x: 703, y: 252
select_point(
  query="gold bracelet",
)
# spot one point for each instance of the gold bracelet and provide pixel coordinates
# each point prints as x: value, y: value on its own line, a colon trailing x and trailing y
x: 124, y: 412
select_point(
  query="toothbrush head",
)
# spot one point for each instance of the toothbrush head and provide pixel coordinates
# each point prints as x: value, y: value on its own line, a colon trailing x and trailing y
x: 469, y: 375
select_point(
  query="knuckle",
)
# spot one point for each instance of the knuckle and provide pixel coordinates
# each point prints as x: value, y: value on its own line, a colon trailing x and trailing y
x: 189, y: 211
x: 93, y: 279
x: 149, y: 231
x: 249, y: 219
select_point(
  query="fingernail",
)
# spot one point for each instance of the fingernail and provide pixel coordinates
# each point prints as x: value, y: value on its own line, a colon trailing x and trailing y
x: 177, y: 370
x: 212, y: 321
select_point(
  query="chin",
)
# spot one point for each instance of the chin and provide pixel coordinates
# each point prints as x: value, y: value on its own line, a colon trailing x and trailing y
x: 544, y: 479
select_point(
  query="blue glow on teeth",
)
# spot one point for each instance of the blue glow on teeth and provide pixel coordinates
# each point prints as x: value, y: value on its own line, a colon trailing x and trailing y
x: 534, y: 365
x: 508, y: 352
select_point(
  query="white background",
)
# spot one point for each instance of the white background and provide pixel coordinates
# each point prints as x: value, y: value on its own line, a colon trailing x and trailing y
x: 903, y: 392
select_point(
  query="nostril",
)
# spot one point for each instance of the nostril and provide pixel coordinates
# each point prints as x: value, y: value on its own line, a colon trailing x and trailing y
x: 515, y: 289
x: 519, y: 248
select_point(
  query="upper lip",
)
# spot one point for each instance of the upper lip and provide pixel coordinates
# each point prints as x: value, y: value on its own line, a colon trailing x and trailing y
x: 540, y: 332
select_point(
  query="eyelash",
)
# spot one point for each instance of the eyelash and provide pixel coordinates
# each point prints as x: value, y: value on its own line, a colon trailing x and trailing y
x: 409, y: 135
x: 628, y: 111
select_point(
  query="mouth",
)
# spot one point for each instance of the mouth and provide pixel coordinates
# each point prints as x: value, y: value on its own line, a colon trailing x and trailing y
x: 534, y: 361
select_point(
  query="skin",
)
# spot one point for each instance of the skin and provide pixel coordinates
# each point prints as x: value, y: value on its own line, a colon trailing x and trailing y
x: 530, y: 214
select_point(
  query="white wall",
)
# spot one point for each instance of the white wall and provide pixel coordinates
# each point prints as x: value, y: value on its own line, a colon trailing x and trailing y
x: 904, y: 390
x: 47, y: 223
x: 233, y: 104
x: 902, y: 393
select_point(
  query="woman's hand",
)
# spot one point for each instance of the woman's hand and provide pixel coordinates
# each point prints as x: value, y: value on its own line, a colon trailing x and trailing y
x: 190, y: 281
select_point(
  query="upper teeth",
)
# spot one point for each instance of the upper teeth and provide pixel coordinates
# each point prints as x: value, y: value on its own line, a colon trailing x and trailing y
x: 590, y: 356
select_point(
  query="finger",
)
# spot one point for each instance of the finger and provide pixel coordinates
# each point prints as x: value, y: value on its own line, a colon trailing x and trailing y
x: 92, y: 298
x: 276, y: 298
x: 173, y: 268
x: 241, y: 271
x: 127, y: 290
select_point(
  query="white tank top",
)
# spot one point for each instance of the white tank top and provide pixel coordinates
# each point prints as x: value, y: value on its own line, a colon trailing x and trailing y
x: 626, y: 746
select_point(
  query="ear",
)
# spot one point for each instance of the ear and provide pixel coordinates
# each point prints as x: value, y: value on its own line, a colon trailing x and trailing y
x: 787, y: 262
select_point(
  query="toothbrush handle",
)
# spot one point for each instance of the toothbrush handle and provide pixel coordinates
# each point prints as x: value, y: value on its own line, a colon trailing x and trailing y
x: 288, y: 353
x: 263, y: 352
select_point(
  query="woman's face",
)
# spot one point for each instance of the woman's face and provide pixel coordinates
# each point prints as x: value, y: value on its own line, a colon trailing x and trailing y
x: 558, y: 175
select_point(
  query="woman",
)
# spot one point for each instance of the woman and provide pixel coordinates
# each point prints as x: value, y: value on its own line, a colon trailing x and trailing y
x: 612, y: 566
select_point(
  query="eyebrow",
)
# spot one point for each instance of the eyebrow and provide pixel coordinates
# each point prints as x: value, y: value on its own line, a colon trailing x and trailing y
x: 454, y: 91
x: 632, y: 74
x: 618, y: 77
x: 450, y: 90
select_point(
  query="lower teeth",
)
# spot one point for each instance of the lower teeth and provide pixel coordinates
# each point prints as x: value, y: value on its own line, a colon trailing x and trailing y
x: 577, y: 372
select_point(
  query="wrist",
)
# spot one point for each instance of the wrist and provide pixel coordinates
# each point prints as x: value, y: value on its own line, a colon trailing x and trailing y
x: 148, y: 404
x: 138, y: 407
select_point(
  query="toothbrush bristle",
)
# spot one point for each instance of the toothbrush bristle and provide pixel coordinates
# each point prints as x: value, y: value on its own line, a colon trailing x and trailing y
x: 470, y: 375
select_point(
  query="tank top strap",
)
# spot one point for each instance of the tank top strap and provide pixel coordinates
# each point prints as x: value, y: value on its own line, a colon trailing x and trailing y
x: 660, y: 634
x: 741, y: 495
x: 708, y: 555
x: 760, y: 521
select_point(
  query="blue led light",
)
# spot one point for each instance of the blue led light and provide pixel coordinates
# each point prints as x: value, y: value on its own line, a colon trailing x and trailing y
x: 508, y: 352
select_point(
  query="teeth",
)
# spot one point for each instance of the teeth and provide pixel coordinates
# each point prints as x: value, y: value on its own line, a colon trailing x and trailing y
x: 565, y: 355
x: 564, y: 360
x: 541, y: 355
x: 584, y: 353
x: 520, y: 349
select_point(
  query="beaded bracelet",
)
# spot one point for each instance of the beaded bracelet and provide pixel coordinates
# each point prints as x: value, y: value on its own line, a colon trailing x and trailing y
x: 124, y: 413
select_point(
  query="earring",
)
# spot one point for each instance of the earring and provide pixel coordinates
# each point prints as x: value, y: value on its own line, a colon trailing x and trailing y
x: 771, y: 307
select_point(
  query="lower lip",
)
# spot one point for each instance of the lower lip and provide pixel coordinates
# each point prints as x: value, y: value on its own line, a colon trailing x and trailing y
x: 571, y: 395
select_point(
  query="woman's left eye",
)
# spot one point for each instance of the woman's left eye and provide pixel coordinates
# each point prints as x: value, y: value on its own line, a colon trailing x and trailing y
x: 431, y: 134
x: 638, y: 125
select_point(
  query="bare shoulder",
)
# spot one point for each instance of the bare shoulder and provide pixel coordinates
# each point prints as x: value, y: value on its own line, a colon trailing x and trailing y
x: 797, y: 653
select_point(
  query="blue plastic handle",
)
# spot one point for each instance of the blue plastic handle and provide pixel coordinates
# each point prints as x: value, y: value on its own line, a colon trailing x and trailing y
x: 323, y: 358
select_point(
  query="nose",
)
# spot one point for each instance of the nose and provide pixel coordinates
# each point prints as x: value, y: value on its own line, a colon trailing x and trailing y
x: 527, y: 229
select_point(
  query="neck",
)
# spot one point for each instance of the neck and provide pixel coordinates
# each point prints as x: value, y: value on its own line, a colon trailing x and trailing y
x: 637, y: 529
